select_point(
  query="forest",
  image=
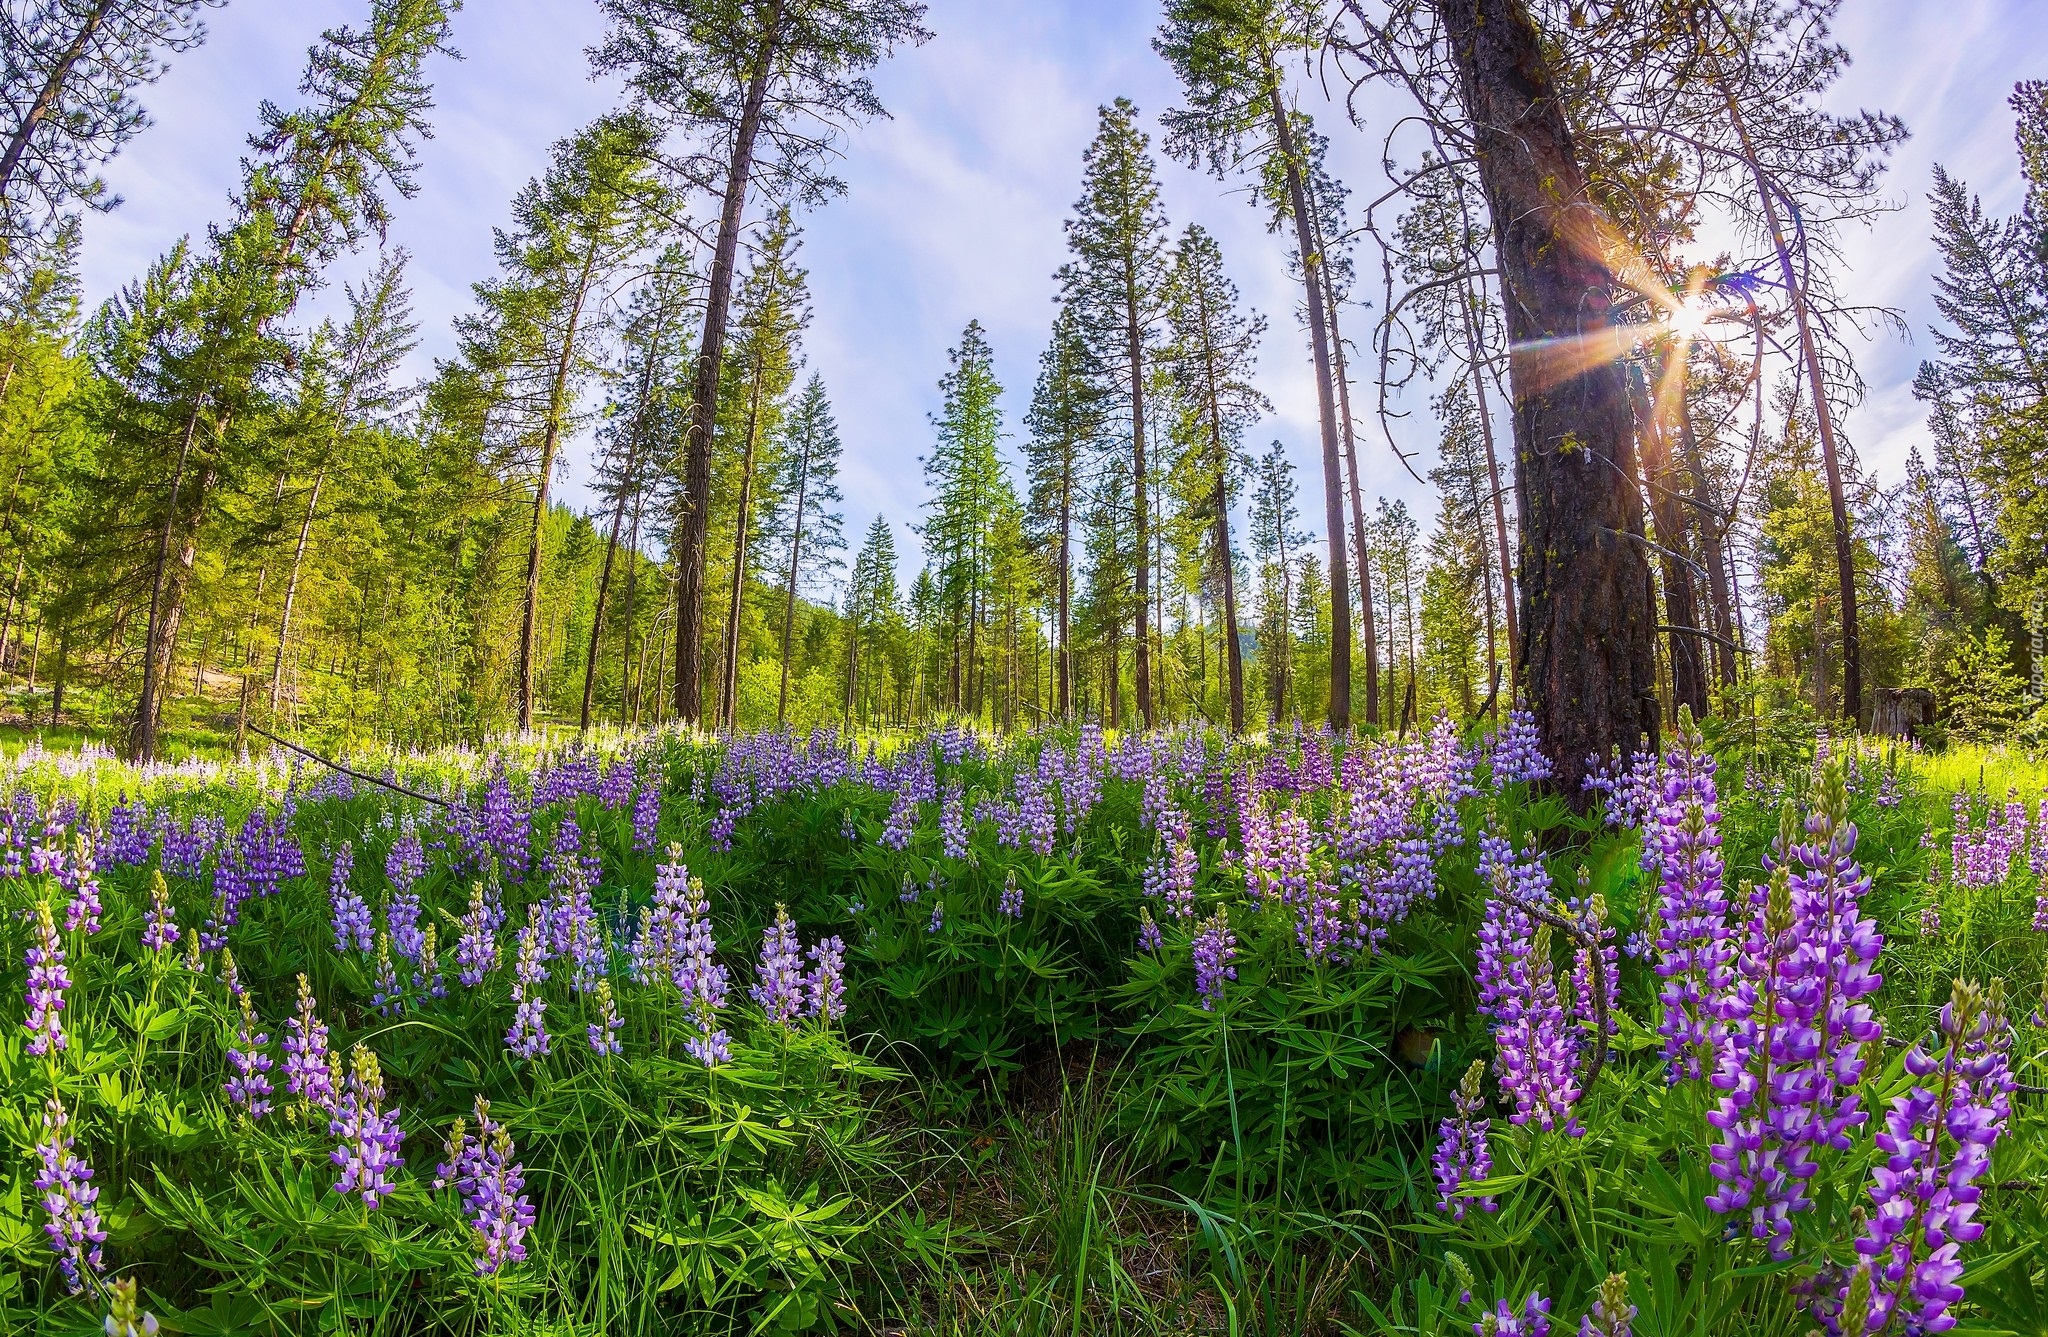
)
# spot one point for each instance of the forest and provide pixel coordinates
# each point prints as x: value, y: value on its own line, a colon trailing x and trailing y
x: 1577, y: 852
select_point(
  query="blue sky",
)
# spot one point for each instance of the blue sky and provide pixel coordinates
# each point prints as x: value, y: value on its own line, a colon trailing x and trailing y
x: 954, y: 206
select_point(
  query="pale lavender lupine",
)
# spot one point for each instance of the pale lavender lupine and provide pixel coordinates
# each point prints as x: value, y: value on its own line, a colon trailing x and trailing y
x: 1504, y: 1320
x: 1215, y: 947
x: 69, y: 1195
x: 603, y: 1034
x: 1149, y: 939
x: 79, y: 875
x: 779, y: 977
x: 1611, y: 1314
x: 308, y: 1060
x: 248, y: 1084
x: 528, y: 1037
x: 48, y: 978
x: 1692, y: 936
x: 825, y: 984
x: 491, y: 1185
x: 160, y: 922
x: 368, y: 1138
x: 354, y: 929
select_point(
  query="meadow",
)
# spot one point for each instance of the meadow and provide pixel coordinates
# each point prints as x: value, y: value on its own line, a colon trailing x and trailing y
x: 1058, y: 1032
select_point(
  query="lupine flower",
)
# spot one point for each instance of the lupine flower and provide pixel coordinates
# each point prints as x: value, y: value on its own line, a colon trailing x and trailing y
x: 1938, y: 1138
x: 1930, y: 920
x: 528, y: 1036
x: 1611, y: 1313
x: 1462, y: 1153
x: 1748, y: 1156
x: 476, y: 951
x: 369, y: 1138
x: 491, y: 1185
x: 1011, y: 903
x: 953, y: 822
x: 646, y: 816
x: 65, y: 1182
x: 125, y: 1315
x: 80, y: 876
x: 604, y: 1032
x: 1504, y: 1321
x: 426, y: 980
x: 825, y: 985
x: 938, y: 920
x: 1589, y: 909
x: 402, y: 921
x: 1693, y: 951
x: 1518, y: 750
x: 1214, y: 950
x: 308, y: 1062
x: 1829, y: 979
x: 386, y: 995
x: 1148, y: 931
x: 406, y: 862
x: 160, y: 923
x: 47, y: 981
x: 779, y: 986
x: 249, y: 1062
x: 353, y: 929
x: 700, y: 979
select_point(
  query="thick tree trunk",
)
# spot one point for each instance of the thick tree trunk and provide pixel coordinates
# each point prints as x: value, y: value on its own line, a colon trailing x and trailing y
x: 1684, y: 644
x: 1588, y: 631
x: 1319, y: 343
x: 142, y: 735
x: 1233, y: 653
x: 696, y: 513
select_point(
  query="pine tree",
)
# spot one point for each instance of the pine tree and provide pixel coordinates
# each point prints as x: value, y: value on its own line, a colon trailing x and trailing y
x: 1065, y: 423
x: 761, y: 95
x: 1227, y: 54
x: 803, y: 518
x: 68, y: 73
x: 1274, y: 537
x: 969, y: 493
x: 534, y: 337
x: 1114, y: 285
x: 870, y: 607
x: 1211, y: 352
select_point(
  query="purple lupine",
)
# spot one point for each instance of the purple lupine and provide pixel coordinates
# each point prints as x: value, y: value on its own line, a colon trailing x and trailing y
x: 79, y: 875
x: 367, y: 1137
x: 1149, y: 939
x: 402, y: 922
x: 1938, y: 1143
x: 779, y: 982
x: 47, y: 980
x: 308, y: 1061
x: 1462, y: 1153
x: 506, y: 829
x: 125, y: 1315
x: 491, y: 1185
x: 528, y: 1036
x: 646, y: 816
x: 1536, y: 1046
x: 700, y: 979
x: 426, y: 975
x: 249, y: 1063
x: 65, y: 1182
x: 1589, y: 910
x: 354, y: 930
x: 1010, y: 904
x: 1532, y: 1320
x: 406, y: 863
x: 1830, y: 978
x: 937, y: 923
x: 1611, y: 1314
x: 603, y: 1033
x: 1517, y: 754
x: 1213, y: 951
x: 160, y: 922
x: 387, y: 995
x: 902, y: 821
x: 1180, y: 881
x: 128, y: 833
x: 1748, y: 1159
x: 825, y: 985
x: 1693, y: 949
x: 953, y: 832
x: 656, y: 948
x: 476, y: 951
x: 617, y: 786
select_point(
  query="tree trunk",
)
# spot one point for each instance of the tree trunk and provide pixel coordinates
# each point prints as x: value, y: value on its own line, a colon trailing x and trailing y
x: 157, y: 640
x: 1713, y: 543
x: 1587, y: 628
x: 1066, y: 651
x: 1823, y: 416
x: 1135, y: 351
x: 550, y: 439
x: 729, y: 651
x: 604, y: 584
x: 1372, y: 644
x: 1500, y: 509
x: 52, y: 89
x: 1333, y: 482
x: 1681, y: 618
x: 696, y: 516
x: 796, y: 543
x: 291, y: 591
x: 629, y: 678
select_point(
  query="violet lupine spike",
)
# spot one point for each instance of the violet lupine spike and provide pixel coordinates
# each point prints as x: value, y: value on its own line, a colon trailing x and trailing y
x: 1149, y: 939
x: 491, y: 1185
x: 1611, y: 1314
x: 700, y: 979
x: 646, y: 816
x: 402, y: 921
x: 1693, y: 951
x: 354, y: 929
x: 160, y: 922
x: 308, y: 1060
x: 528, y: 1036
x: 248, y: 1085
x: 1213, y: 951
x: 779, y: 978
x: 825, y: 984
x: 48, y: 979
x: 368, y: 1137
x: 1748, y: 1159
x: 476, y: 951
x: 426, y: 979
x: 80, y: 876
x: 406, y: 863
x: 1830, y: 977
x: 1517, y: 754
x: 386, y: 994
x: 1589, y: 909
x: 1010, y: 905
x: 69, y: 1195
x: 1462, y: 1153
x: 1937, y: 1138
